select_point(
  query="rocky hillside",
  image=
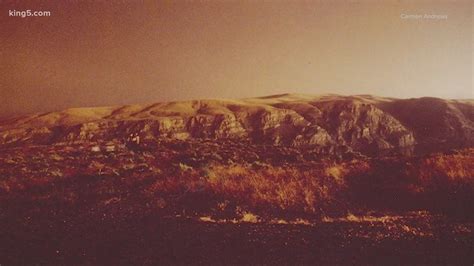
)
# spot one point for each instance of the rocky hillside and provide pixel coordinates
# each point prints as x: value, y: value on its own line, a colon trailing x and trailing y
x: 328, y: 123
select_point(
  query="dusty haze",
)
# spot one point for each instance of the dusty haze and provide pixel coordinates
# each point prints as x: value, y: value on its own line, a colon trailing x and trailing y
x: 90, y: 54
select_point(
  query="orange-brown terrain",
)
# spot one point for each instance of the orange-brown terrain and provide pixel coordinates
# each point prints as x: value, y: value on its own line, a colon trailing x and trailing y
x: 284, y: 179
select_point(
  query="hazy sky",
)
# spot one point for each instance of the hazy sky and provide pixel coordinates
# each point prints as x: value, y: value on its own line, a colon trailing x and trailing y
x: 103, y: 53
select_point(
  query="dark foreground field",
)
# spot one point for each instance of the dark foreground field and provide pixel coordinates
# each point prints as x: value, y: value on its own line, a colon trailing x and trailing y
x: 412, y: 239
x: 232, y: 203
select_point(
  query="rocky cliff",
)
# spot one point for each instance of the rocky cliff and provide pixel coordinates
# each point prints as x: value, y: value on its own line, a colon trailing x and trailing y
x: 354, y: 123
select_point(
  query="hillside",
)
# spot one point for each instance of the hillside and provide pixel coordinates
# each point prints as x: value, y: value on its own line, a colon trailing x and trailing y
x: 328, y: 123
x: 284, y: 175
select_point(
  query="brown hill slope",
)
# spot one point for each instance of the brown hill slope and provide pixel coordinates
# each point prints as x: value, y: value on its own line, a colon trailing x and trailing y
x: 329, y: 123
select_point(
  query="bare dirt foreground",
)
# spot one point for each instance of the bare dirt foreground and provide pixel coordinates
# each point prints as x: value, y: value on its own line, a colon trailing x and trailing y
x: 202, y: 202
x: 152, y: 240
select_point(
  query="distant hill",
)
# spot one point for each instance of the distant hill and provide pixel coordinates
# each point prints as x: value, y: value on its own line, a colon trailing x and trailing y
x: 360, y: 123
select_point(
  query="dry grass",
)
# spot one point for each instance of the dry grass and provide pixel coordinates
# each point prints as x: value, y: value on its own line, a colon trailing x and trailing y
x: 224, y: 190
x: 269, y: 188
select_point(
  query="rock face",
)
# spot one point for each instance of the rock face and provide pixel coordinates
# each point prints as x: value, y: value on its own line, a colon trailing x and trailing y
x: 364, y: 124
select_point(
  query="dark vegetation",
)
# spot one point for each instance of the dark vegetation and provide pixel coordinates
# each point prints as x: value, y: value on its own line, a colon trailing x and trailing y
x: 208, y: 178
x: 66, y: 204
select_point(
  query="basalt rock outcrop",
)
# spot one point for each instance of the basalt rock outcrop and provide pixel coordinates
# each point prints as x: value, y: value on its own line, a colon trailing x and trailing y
x: 364, y: 124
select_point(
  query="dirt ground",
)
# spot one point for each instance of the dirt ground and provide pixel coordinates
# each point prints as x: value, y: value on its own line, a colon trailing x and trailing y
x: 152, y: 240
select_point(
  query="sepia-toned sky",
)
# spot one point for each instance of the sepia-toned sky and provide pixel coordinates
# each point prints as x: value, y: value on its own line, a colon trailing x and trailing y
x: 92, y: 53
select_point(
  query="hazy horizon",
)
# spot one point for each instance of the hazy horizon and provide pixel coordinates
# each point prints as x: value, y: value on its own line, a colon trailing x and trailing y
x: 97, y: 54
